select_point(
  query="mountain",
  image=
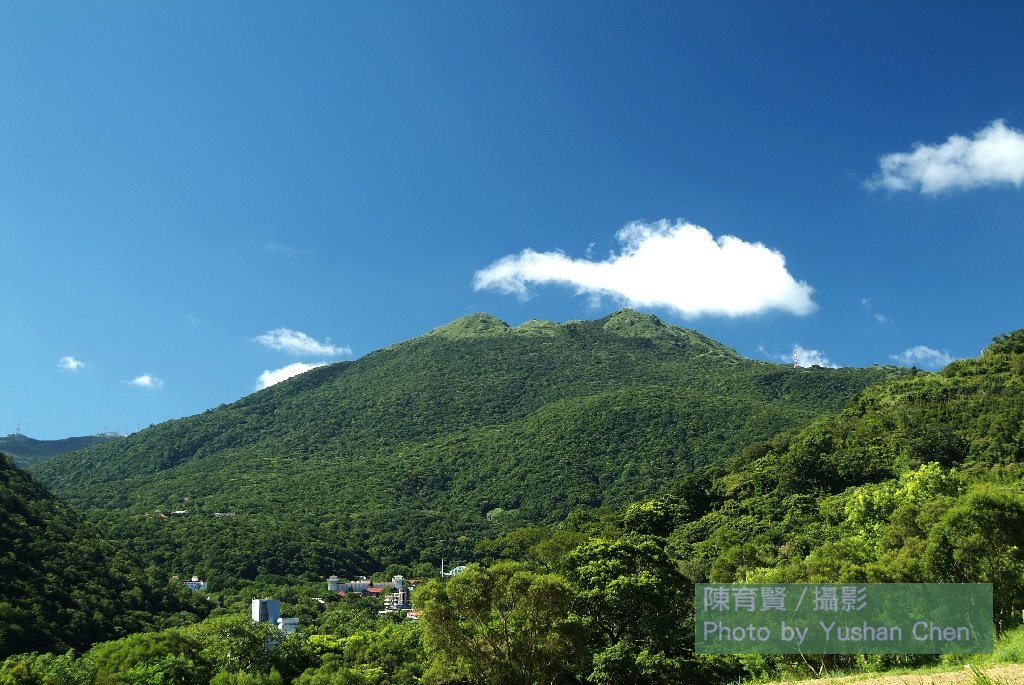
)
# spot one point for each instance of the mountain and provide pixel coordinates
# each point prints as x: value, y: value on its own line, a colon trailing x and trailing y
x: 27, y: 451
x: 919, y: 479
x: 415, y: 451
x: 62, y: 585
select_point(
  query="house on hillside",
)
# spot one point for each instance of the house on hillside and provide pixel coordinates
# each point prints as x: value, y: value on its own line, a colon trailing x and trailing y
x: 266, y: 610
x: 196, y: 585
x: 400, y: 597
x: 395, y: 595
x: 269, y: 611
x: 358, y: 586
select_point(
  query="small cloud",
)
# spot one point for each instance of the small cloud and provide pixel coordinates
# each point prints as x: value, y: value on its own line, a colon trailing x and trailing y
x: 146, y: 381
x: 678, y: 265
x: 268, y: 378
x: 805, y: 358
x: 298, y: 343
x: 70, y: 364
x: 993, y: 156
x: 880, y: 318
x: 922, y: 356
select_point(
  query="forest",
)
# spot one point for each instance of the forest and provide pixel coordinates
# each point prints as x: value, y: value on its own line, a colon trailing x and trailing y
x: 913, y: 477
x: 420, y: 450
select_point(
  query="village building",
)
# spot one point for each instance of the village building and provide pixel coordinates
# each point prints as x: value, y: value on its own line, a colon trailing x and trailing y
x: 196, y: 585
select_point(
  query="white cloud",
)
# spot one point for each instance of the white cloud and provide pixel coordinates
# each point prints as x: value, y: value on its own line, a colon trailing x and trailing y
x: 993, y: 156
x: 70, y: 364
x: 680, y: 266
x: 298, y: 343
x: 922, y: 356
x: 806, y: 358
x: 146, y: 381
x: 268, y: 378
x: 879, y: 317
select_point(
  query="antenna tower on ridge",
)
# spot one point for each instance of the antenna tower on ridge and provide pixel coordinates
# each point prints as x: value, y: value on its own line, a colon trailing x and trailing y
x: 796, y: 360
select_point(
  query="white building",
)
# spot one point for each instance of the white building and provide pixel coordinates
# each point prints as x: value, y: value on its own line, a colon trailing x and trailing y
x: 360, y: 585
x: 287, y: 625
x: 266, y: 611
x: 196, y: 584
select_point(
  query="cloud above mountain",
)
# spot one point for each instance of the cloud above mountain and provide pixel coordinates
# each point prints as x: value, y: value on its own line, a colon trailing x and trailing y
x: 272, y: 377
x: 299, y: 344
x: 679, y: 266
x: 992, y: 156
x: 806, y: 358
x: 923, y: 356
x: 146, y: 381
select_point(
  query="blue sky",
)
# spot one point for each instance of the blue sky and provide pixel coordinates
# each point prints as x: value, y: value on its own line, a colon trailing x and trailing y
x: 196, y: 195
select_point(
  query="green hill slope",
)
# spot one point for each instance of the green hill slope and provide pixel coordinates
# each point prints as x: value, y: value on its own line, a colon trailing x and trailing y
x: 917, y: 480
x: 61, y: 585
x: 27, y: 451
x: 415, y: 451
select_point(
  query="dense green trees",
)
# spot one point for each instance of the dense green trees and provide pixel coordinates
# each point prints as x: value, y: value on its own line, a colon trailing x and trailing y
x: 502, y: 625
x: 980, y: 539
x: 636, y: 608
x: 62, y: 585
x: 418, y: 451
x: 916, y: 479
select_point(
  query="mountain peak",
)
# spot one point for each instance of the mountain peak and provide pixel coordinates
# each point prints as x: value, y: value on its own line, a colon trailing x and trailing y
x: 480, y: 325
x: 631, y: 323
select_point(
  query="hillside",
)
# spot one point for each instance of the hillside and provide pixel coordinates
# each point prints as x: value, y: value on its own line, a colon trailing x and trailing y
x: 62, y: 585
x: 415, y: 451
x: 920, y: 479
x: 27, y: 451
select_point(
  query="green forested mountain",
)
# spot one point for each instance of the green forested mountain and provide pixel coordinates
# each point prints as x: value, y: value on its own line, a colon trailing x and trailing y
x: 917, y: 480
x: 27, y: 451
x: 62, y: 585
x: 416, y: 451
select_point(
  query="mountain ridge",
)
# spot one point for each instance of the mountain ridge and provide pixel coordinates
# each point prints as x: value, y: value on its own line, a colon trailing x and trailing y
x: 27, y: 451
x: 399, y: 456
x: 625, y: 322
